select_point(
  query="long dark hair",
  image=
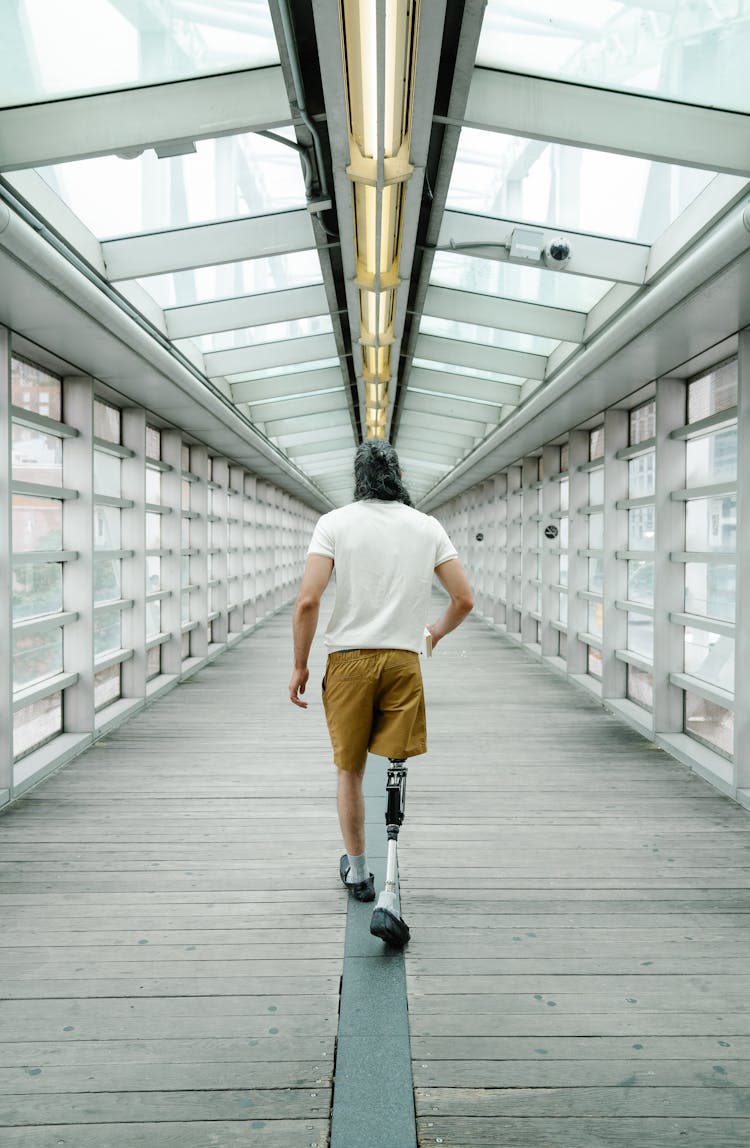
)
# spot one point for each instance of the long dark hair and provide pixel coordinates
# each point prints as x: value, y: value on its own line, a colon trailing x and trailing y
x: 377, y: 473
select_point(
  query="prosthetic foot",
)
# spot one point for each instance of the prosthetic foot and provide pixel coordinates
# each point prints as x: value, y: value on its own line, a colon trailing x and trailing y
x: 387, y: 922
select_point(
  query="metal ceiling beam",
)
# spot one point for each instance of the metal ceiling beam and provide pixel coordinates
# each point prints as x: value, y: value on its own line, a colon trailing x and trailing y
x: 454, y: 442
x: 451, y: 407
x: 246, y: 311
x: 330, y: 420
x: 293, y: 408
x: 328, y: 447
x: 263, y: 356
x: 479, y: 357
x: 34, y: 135
x: 504, y: 314
x: 208, y: 244
x: 424, y: 422
x: 281, y: 386
x: 593, y: 117
x: 486, y: 238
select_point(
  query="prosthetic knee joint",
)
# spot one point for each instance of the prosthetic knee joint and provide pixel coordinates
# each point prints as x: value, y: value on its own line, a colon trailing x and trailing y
x: 387, y: 922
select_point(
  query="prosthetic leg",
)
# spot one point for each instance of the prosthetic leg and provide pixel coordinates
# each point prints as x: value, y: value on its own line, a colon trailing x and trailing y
x: 387, y: 922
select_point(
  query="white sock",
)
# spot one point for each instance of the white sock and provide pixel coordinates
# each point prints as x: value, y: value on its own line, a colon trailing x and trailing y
x: 358, y: 870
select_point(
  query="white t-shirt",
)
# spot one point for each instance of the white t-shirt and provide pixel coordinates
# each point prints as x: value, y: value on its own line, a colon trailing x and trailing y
x: 384, y: 555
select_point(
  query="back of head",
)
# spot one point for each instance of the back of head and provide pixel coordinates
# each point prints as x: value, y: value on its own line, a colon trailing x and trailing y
x: 377, y: 473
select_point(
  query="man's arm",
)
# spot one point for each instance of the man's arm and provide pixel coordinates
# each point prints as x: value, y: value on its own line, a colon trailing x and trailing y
x: 453, y: 578
x: 305, y: 621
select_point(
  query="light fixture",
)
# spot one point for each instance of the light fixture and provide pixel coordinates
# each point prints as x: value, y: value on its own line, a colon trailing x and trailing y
x: 379, y: 48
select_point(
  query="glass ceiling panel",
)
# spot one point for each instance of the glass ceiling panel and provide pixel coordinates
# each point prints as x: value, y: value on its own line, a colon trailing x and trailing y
x: 228, y: 280
x: 466, y: 372
x: 223, y: 179
x: 509, y: 281
x: 276, y: 372
x: 487, y: 336
x: 553, y: 185
x: 49, y: 48
x: 264, y: 333
x: 693, y: 52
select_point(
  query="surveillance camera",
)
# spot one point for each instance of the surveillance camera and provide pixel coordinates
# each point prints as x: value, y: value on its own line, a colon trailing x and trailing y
x: 557, y: 254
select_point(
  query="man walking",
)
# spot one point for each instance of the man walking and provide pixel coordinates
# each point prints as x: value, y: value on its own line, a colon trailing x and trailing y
x: 384, y: 553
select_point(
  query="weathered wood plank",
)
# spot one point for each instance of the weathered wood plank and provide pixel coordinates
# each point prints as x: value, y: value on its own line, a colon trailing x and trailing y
x: 251, y: 1131
x: 139, y: 1107
x: 568, y: 1073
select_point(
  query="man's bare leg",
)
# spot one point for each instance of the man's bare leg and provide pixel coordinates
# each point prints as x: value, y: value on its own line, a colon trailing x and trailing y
x: 351, y: 807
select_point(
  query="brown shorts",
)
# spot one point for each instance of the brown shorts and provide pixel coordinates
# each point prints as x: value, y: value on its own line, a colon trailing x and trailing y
x: 374, y: 701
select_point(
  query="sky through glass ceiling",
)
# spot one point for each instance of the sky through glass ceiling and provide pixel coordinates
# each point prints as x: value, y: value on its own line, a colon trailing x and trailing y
x: 54, y: 48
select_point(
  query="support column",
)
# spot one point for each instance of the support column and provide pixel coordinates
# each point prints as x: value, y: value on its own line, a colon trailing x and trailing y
x: 499, y: 555
x: 669, y: 577
x: 218, y: 542
x: 513, y: 551
x: 78, y: 535
x: 550, y: 559
x: 529, y: 536
x: 615, y: 623
x: 6, y: 573
x: 578, y: 454
x: 199, y: 547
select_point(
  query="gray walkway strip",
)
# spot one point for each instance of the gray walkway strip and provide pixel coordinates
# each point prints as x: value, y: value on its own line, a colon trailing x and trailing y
x: 373, y: 1099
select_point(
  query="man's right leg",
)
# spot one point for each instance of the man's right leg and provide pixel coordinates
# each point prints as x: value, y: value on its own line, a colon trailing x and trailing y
x: 351, y: 806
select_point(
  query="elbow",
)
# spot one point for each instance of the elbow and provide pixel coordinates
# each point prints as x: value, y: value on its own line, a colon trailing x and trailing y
x: 465, y: 603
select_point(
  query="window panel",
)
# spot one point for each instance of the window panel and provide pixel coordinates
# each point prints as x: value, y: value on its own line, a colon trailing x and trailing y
x: 642, y: 475
x: 711, y: 524
x: 37, y: 457
x: 36, y: 724
x: 153, y: 485
x: 595, y: 614
x: 711, y: 589
x: 153, y: 531
x: 641, y: 634
x: 107, y: 579
x: 563, y: 570
x: 153, y: 574
x: 37, y: 590
x: 510, y: 281
x: 641, y: 582
x: 106, y: 528
x: 596, y: 487
x: 712, y: 458
x: 709, y: 723
x: 231, y: 280
x: 153, y: 662
x: 107, y: 474
x: 153, y: 618
x: 37, y: 657
x: 37, y: 523
x: 153, y: 443
x: 107, y: 686
x: 713, y: 392
x: 564, y: 494
x: 643, y: 422
x: 596, y: 575
x: 34, y: 389
x: 107, y: 631
x: 106, y: 421
x: 595, y: 662
x: 641, y: 528
x: 640, y: 687
x: 710, y: 657
x: 596, y: 443
x: 596, y: 531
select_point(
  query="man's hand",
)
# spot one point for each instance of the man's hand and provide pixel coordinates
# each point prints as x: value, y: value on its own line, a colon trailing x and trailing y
x: 297, y: 687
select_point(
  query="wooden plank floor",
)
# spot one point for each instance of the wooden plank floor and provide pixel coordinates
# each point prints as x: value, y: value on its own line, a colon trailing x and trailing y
x: 579, y: 969
x: 173, y: 925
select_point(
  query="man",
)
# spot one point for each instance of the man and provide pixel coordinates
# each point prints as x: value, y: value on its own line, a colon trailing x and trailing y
x: 384, y: 553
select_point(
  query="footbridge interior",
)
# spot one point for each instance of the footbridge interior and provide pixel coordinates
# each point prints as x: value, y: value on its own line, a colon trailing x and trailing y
x: 237, y: 239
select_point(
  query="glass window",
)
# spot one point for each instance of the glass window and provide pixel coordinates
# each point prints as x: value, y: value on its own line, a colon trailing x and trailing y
x: 37, y: 590
x: 711, y: 589
x: 185, y: 645
x: 556, y: 185
x: 153, y: 443
x: 596, y: 487
x: 230, y: 280
x: 37, y: 657
x: 564, y: 532
x: 487, y: 336
x: 510, y: 281
x: 596, y: 443
x: 153, y: 662
x: 563, y: 573
x: 596, y: 531
x: 37, y: 457
x: 153, y: 618
x: 106, y: 421
x: 643, y: 422
x: 642, y: 475
x: 641, y: 528
x: 641, y: 634
x: 107, y: 527
x: 565, y: 494
x: 107, y: 631
x: 32, y: 388
x: 185, y: 534
x: 564, y: 454
x: 712, y: 458
x: 107, y: 686
x: 711, y: 393
x: 640, y: 687
x: 596, y: 575
x: 696, y: 54
x: 153, y: 485
x: 710, y: 657
x: 709, y: 723
x: 185, y: 606
x: 37, y: 523
x: 641, y: 582
x: 153, y: 531
x: 107, y: 579
x: 107, y: 474
x: 595, y: 662
x: 36, y: 724
x: 594, y: 625
x: 264, y: 333
x: 563, y: 609
x: 711, y: 524
x: 153, y: 573
x: 111, y: 45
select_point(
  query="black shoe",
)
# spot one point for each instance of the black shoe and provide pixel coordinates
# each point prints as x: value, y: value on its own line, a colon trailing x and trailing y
x: 361, y: 890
